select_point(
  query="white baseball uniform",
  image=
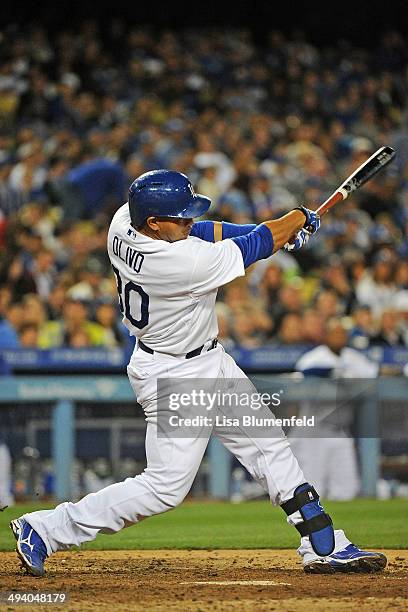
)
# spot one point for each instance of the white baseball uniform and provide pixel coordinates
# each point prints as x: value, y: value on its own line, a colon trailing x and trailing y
x: 6, y: 497
x: 167, y: 295
x: 333, y: 461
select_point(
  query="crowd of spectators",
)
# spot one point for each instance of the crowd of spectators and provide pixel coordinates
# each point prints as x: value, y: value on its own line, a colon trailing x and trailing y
x: 258, y: 128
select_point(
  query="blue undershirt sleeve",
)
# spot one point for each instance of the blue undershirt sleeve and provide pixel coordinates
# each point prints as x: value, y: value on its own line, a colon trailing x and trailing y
x: 205, y: 230
x: 258, y: 244
x: 231, y: 230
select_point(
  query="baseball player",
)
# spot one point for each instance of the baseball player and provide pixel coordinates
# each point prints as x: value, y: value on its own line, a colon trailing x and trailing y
x: 168, y: 271
x: 333, y: 459
x: 6, y: 475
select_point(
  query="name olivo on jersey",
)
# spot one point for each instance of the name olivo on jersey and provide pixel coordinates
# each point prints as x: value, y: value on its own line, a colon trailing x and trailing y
x: 130, y: 257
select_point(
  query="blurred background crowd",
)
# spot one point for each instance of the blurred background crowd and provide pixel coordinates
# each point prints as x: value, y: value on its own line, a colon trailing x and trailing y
x: 259, y: 129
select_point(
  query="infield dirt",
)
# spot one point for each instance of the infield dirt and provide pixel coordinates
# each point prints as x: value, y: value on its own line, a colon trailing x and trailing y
x: 256, y: 580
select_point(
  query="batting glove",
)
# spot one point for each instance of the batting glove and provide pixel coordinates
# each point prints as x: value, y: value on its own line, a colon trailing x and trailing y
x: 301, y: 238
x: 312, y: 222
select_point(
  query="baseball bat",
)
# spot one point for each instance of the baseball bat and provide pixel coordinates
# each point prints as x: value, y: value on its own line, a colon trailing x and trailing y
x: 367, y: 170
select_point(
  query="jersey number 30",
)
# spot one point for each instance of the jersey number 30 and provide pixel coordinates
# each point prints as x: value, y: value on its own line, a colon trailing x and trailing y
x: 124, y: 301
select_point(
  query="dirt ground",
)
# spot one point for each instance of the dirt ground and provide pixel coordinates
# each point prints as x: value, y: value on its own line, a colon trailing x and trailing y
x: 256, y: 580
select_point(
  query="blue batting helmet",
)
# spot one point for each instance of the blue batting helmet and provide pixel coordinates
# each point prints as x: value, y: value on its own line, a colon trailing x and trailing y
x: 164, y: 193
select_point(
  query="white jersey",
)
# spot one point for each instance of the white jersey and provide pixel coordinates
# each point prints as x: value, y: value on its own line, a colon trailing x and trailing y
x: 321, y: 361
x: 348, y: 364
x: 167, y: 290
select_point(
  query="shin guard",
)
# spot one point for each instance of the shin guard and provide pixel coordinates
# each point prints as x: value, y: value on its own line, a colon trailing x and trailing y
x: 316, y: 523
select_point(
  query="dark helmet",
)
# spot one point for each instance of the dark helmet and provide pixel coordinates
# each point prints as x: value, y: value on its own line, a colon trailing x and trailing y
x: 164, y: 193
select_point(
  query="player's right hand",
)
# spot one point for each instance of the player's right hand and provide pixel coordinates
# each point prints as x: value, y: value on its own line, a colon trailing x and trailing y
x: 301, y: 238
x: 312, y: 222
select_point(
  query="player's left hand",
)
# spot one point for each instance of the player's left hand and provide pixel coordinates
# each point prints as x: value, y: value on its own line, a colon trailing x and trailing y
x: 301, y: 238
x: 312, y: 222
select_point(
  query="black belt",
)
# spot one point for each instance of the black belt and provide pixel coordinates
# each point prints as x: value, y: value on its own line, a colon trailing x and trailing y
x: 189, y: 355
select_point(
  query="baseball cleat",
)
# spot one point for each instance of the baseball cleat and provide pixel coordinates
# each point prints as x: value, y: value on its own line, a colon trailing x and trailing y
x: 349, y: 560
x: 30, y: 547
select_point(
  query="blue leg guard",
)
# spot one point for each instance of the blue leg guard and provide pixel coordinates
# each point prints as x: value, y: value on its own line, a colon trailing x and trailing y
x: 316, y: 523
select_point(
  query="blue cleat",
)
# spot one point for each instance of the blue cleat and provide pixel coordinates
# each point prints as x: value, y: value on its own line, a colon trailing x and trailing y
x: 349, y: 560
x: 30, y: 547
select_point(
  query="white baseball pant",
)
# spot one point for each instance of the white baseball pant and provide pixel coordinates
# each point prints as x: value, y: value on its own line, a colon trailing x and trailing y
x: 172, y: 463
x: 331, y: 460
